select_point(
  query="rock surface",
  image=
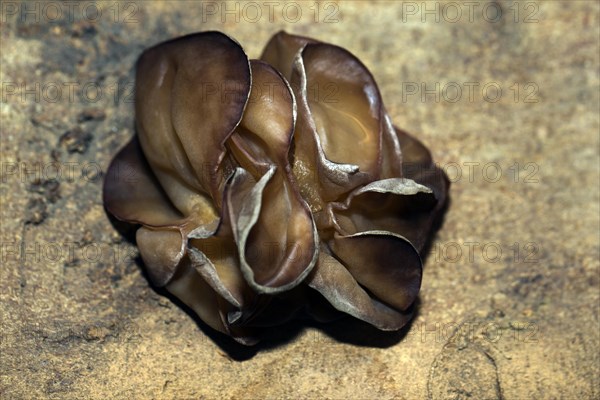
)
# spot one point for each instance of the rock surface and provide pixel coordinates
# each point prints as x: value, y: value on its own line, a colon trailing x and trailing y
x: 504, y: 93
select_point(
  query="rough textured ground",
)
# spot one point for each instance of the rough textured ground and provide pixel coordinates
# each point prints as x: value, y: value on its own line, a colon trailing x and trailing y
x: 510, y: 297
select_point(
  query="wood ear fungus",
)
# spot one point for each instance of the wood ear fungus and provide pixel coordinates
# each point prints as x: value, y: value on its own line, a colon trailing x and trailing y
x: 252, y: 188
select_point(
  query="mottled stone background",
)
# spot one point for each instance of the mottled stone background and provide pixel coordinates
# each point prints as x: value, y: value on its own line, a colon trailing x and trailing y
x: 510, y: 297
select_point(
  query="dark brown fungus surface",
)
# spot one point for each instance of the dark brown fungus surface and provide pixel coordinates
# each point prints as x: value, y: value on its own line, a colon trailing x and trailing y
x: 251, y: 189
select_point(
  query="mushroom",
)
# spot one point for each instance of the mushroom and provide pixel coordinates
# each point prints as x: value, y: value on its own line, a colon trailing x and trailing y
x: 251, y: 192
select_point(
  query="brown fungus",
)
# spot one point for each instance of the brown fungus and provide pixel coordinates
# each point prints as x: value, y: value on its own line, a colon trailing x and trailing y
x: 254, y: 192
